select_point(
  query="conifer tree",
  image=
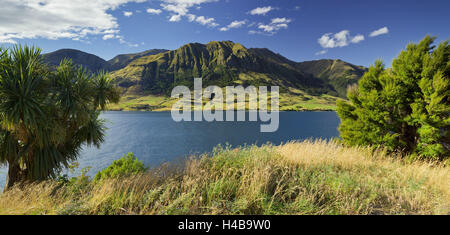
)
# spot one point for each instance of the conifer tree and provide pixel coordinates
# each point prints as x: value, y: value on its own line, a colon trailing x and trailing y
x: 405, y: 108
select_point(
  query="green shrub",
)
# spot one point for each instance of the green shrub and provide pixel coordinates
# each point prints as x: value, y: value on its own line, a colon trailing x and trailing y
x: 405, y: 108
x: 127, y: 165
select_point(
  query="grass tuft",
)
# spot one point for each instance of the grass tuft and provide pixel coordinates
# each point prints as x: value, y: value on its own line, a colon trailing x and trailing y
x: 310, y: 177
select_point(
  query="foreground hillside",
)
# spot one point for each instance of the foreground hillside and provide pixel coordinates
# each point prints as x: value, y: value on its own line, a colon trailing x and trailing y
x: 295, y: 178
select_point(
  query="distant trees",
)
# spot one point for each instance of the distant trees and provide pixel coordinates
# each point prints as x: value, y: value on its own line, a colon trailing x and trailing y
x: 405, y: 108
x: 46, y: 116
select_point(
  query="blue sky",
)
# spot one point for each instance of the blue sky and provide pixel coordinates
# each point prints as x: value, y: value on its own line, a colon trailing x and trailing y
x: 355, y: 31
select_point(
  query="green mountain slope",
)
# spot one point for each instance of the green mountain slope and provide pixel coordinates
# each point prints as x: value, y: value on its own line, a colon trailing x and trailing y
x: 91, y: 62
x: 339, y: 74
x: 147, y: 78
x: 120, y: 61
x: 218, y: 63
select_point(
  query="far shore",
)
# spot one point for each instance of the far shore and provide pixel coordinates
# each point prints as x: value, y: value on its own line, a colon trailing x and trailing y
x: 166, y: 111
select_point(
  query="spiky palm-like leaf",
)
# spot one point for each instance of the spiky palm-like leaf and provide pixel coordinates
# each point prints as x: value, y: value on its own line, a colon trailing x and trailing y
x: 46, y: 117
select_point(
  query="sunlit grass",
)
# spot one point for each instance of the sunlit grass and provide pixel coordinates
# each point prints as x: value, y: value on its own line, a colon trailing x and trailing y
x: 288, y: 102
x: 310, y: 177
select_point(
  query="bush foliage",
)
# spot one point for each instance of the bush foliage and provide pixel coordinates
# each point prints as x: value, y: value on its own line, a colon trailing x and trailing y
x: 405, y: 108
x: 126, y: 166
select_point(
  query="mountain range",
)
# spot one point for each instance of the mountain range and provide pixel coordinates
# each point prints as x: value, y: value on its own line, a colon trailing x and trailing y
x: 153, y: 73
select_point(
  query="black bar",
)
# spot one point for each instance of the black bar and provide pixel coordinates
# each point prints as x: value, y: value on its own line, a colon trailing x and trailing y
x: 230, y: 224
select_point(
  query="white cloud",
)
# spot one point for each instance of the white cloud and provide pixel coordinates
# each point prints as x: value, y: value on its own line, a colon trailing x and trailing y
x: 280, y: 20
x: 154, y: 11
x: 251, y: 24
x: 237, y: 24
x: 203, y: 20
x: 322, y: 52
x: 340, y: 39
x: 261, y: 10
x: 177, y: 9
x: 54, y: 19
x: 186, y: 3
x: 271, y: 28
x: 357, y: 38
x: 266, y: 28
x: 122, y: 41
x: 379, y: 32
x: 234, y: 24
x: 6, y: 40
x: 210, y: 22
x: 180, y: 8
x: 127, y: 13
x: 191, y: 17
x: 108, y: 36
x: 175, y: 18
x: 206, y: 21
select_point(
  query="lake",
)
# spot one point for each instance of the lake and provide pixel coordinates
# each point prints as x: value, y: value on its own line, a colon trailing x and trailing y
x: 155, y: 138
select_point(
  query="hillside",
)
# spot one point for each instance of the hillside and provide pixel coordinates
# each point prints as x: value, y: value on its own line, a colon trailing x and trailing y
x: 218, y: 63
x: 337, y: 73
x: 91, y: 62
x: 311, y: 177
x: 147, y: 78
x: 121, y: 61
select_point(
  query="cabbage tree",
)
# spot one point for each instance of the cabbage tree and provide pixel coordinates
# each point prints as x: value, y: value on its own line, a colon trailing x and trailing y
x: 47, y: 116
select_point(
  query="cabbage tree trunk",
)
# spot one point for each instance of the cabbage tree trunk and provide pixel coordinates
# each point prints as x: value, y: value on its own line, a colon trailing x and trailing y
x: 14, y: 175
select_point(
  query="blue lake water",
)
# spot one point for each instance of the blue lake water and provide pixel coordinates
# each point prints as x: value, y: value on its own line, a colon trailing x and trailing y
x: 155, y: 138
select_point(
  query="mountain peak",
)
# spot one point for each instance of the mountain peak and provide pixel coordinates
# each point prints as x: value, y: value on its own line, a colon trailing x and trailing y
x: 220, y: 63
x: 91, y: 62
x: 225, y: 42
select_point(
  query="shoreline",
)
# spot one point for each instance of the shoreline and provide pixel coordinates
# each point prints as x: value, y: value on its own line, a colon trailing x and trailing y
x: 168, y: 111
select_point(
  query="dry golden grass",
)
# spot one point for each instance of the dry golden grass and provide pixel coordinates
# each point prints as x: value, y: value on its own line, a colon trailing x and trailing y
x: 310, y: 177
x: 389, y: 173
